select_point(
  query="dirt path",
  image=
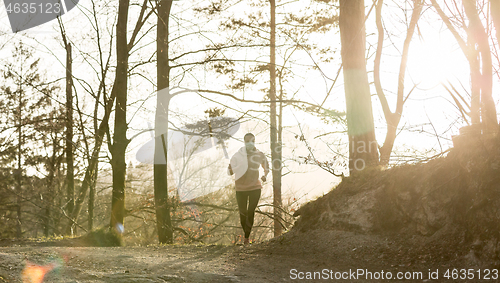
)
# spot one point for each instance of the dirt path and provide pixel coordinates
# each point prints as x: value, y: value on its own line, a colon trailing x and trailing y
x: 266, y: 262
x: 124, y: 264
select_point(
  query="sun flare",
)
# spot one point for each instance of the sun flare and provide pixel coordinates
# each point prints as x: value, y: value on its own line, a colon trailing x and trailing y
x: 433, y: 62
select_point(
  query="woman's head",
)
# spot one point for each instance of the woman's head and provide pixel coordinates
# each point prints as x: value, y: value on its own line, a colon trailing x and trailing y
x: 249, y: 140
x: 249, y: 137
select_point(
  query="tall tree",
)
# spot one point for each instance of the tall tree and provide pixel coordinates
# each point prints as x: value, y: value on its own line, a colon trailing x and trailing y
x: 495, y: 16
x: 23, y: 94
x: 102, y: 128
x: 120, y: 140
x: 480, y: 38
x: 477, y: 51
x: 362, y: 144
x: 392, y: 118
x: 52, y: 136
x: 70, y: 176
x: 163, y: 218
x: 19, y: 170
x: 275, y: 157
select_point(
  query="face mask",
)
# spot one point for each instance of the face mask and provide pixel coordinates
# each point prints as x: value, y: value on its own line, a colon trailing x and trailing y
x: 250, y: 145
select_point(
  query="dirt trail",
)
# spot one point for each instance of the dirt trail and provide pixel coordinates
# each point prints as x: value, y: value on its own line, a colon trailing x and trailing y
x: 123, y: 264
x: 271, y: 261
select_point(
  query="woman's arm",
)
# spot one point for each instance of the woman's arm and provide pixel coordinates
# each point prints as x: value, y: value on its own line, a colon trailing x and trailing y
x: 265, y: 164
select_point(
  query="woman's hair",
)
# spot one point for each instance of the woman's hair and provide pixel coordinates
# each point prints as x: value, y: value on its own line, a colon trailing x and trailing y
x: 248, y: 136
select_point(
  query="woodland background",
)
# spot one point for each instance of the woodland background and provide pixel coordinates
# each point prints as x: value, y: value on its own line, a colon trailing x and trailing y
x: 314, y: 80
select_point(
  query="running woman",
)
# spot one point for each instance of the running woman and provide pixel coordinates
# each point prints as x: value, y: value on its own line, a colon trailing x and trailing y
x: 245, y: 166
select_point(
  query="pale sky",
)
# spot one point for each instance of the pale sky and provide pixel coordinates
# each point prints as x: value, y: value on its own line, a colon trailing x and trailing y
x: 434, y: 58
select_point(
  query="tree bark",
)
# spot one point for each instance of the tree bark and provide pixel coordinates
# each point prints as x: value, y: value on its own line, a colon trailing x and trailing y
x: 120, y: 140
x: 275, y: 148
x: 19, y: 171
x: 362, y: 144
x: 488, y: 109
x: 495, y: 15
x: 49, y: 196
x: 472, y: 55
x: 163, y: 218
x: 94, y: 159
x: 70, y: 179
x: 91, y: 172
x: 92, y: 199
x: 475, y: 78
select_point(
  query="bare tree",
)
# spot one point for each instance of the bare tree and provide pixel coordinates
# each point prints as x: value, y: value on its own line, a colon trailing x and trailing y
x: 70, y: 177
x: 275, y: 147
x: 392, y: 118
x: 120, y: 140
x: 163, y: 218
x: 476, y: 50
x: 479, y: 38
x: 101, y: 129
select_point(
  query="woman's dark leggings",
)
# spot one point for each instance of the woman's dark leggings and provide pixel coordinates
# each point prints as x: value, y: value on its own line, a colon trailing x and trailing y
x: 247, y: 202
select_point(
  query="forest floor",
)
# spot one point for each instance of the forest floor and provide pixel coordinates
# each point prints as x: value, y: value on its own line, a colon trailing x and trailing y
x: 279, y: 260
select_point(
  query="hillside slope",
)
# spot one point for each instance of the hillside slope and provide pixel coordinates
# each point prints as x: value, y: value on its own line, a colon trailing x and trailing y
x: 447, y: 208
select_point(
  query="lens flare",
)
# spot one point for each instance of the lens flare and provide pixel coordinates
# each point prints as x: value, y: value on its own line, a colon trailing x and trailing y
x: 119, y: 228
x: 34, y: 273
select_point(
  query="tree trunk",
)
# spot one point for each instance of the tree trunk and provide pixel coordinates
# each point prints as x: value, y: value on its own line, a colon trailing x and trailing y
x: 92, y: 198
x: 118, y: 85
x: 91, y: 172
x: 488, y: 109
x: 362, y: 144
x: 275, y: 160
x: 280, y: 143
x: 120, y: 141
x: 19, y: 171
x: 70, y: 179
x: 495, y: 15
x: 475, y: 80
x: 472, y: 55
x: 49, y: 196
x: 163, y: 219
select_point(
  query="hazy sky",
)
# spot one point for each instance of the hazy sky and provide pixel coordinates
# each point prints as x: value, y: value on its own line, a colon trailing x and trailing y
x: 434, y: 58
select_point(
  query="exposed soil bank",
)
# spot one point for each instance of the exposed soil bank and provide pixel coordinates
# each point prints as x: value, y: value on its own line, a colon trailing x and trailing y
x: 445, y: 210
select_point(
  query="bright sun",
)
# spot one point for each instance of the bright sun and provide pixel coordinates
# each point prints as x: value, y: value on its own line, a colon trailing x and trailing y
x: 435, y: 61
